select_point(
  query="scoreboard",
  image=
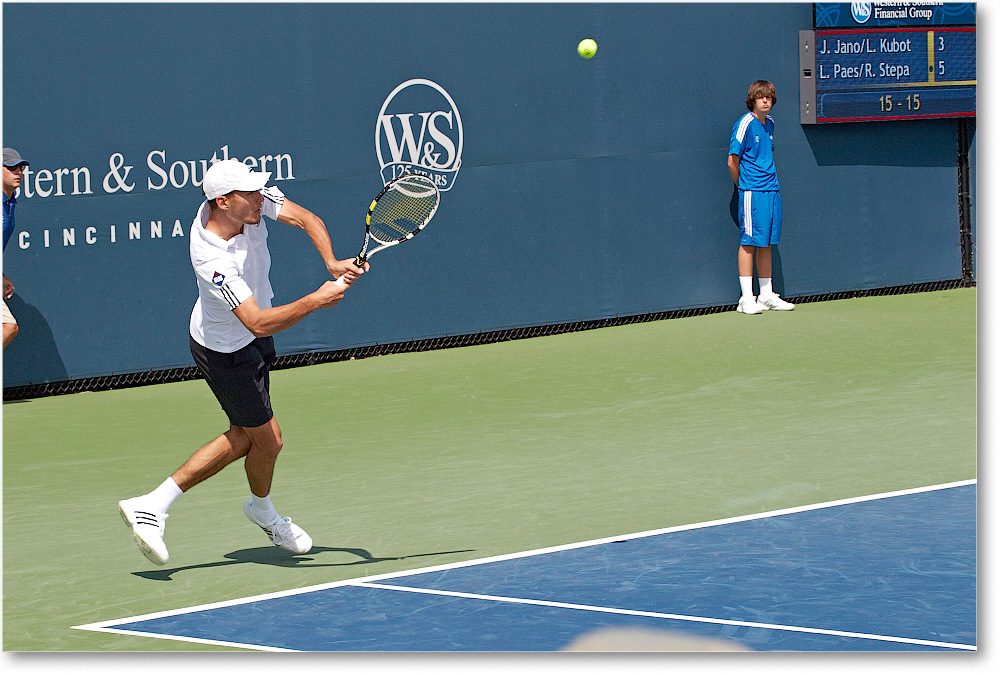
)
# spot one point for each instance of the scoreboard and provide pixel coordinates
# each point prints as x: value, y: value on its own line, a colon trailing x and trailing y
x: 877, y: 74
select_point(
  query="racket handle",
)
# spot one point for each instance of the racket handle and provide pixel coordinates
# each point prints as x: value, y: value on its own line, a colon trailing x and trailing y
x: 359, y: 261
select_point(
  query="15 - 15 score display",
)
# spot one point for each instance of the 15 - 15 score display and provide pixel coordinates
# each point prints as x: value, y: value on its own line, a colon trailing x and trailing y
x: 887, y: 74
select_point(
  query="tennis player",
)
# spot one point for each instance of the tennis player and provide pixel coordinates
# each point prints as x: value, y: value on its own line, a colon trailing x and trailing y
x: 230, y: 337
x: 751, y: 165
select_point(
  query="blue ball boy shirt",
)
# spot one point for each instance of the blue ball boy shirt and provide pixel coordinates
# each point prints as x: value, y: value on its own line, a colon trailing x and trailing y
x: 8, y: 218
x: 753, y: 143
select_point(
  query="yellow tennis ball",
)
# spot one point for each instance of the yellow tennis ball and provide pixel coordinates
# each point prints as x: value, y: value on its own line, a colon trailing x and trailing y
x: 587, y: 48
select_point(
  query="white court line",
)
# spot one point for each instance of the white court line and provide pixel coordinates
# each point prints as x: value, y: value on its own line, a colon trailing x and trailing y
x: 182, y: 638
x: 661, y: 615
x: 105, y: 626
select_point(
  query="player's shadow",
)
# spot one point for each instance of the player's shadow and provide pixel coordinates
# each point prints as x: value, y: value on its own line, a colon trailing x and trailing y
x: 272, y: 555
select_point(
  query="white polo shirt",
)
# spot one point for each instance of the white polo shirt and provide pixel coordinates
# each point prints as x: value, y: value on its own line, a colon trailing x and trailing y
x: 228, y: 273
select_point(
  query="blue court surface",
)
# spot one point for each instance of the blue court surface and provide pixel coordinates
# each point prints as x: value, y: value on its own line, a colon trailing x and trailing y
x: 891, y: 572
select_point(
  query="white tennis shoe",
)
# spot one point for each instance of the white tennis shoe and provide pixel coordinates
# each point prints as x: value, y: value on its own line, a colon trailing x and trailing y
x: 147, y: 529
x: 282, y: 532
x: 772, y: 301
x: 749, y: 306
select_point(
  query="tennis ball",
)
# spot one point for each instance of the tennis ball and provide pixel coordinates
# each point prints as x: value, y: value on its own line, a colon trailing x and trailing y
x: 587, y: 48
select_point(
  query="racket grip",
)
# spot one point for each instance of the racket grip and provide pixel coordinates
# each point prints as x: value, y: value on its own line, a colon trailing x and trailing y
x: 359, y: 261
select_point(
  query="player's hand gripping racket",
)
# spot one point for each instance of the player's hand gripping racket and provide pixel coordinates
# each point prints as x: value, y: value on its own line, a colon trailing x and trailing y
x: 402, y: 208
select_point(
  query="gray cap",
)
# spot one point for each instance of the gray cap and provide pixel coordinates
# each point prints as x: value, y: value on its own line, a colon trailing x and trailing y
x: 12, y: 157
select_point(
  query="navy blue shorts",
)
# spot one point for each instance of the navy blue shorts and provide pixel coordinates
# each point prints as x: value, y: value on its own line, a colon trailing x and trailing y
x: 240, y: 380
x: 759, y: 218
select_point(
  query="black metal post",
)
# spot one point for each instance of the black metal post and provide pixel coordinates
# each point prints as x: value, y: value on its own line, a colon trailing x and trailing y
x: 964, y: 203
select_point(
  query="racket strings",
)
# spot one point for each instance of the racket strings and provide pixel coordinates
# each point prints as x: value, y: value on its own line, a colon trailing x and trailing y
x: 400, y: 213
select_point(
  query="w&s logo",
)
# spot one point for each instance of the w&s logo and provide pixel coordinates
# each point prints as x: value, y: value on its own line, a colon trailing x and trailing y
x: 419, y: 130
x: 862, y: 11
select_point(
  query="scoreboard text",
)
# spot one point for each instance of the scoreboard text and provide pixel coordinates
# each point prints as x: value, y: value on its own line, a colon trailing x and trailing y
x: 887, y: 74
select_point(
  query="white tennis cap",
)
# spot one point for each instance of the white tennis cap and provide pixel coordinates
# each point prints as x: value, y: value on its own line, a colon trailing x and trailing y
x: 232, y: 174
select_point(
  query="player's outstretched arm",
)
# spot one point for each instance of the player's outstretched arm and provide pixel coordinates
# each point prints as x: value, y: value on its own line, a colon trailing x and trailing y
x: 304, y: 219
x: 273, y: 320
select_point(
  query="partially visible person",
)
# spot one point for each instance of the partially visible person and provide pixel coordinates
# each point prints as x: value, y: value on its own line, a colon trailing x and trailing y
x: 13, y: 172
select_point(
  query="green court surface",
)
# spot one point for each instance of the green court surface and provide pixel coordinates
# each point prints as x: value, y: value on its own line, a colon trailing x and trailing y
x: 411, y: 460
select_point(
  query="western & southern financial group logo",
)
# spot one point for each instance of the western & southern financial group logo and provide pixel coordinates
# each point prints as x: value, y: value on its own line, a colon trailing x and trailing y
x: 419, y: 130
x: 862, y: 11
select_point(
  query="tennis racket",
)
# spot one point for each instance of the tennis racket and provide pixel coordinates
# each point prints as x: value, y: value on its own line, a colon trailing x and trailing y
x: 402, y: 208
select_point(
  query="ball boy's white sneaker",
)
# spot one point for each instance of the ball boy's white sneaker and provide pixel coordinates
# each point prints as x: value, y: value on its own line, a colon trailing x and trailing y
x: 749, y: 306
x: 772, y: 301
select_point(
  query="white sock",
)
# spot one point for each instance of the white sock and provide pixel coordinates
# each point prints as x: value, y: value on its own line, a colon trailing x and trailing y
x: 161, y: 498
x: 263, y: 509
x: 765, y: 287
x: 746, y: 286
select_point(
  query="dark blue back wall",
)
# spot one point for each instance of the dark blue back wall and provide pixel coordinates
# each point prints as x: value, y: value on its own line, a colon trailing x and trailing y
x: 587, y: 188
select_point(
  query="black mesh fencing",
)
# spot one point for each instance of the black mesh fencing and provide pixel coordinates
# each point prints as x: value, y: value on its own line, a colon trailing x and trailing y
x: 125, y: 380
